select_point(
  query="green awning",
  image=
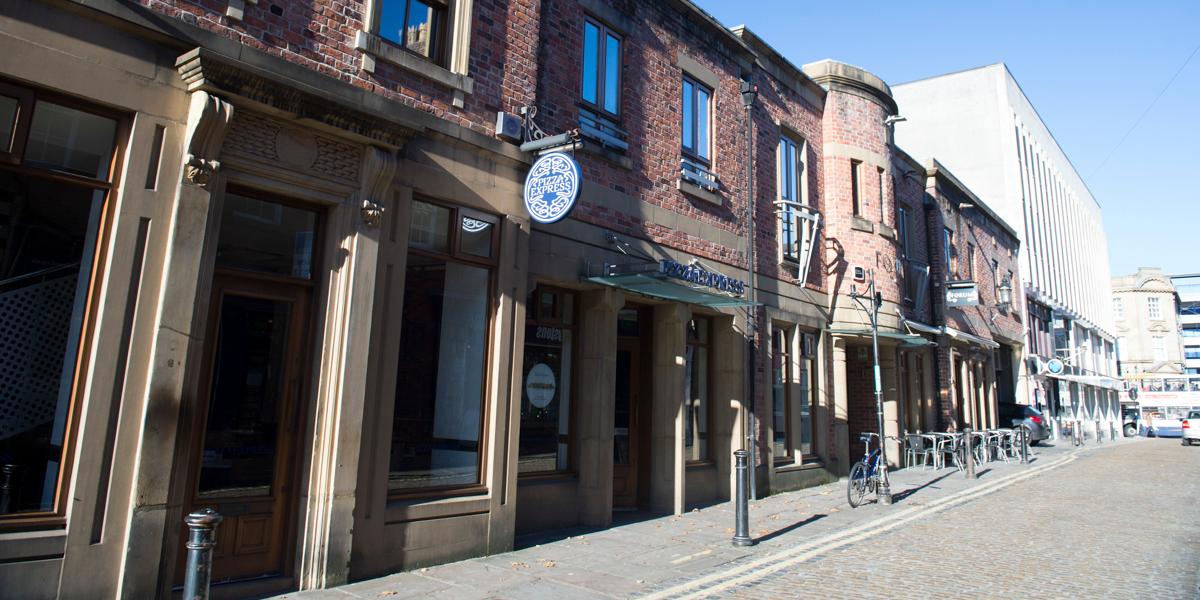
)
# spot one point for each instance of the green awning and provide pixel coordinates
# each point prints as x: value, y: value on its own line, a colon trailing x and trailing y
x: 908, y: 339
x: 656, y: 285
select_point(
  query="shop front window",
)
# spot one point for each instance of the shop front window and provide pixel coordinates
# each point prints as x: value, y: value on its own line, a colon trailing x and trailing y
x: 437, y: 425
x: 51, y: 210
x: 781, y: 341
x: 546, y: 390
x: 696, y: 377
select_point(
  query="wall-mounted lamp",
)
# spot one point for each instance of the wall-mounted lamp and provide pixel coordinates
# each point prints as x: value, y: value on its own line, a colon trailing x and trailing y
x: 893, y: 119
x: 1004, y: 293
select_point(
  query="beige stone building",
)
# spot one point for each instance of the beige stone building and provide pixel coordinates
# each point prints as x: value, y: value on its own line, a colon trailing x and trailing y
x: 1144, y: 309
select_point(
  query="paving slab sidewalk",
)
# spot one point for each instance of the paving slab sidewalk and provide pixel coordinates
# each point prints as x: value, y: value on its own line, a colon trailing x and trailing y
x: 637, y: 558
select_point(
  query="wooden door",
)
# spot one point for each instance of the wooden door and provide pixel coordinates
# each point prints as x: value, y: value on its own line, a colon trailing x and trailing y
x: 625, y: 425
x: 244, y: 462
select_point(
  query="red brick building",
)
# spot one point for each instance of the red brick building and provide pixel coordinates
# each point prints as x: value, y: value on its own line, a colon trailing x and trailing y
x: 302, y: 286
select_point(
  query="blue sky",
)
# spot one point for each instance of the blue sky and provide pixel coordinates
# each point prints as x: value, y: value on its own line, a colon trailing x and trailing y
x: 1090, y: 68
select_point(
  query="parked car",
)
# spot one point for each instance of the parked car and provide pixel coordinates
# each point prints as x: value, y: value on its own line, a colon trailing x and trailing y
x: 1018, y: 415
x: 1191, y: 428
x: 1170, y: 425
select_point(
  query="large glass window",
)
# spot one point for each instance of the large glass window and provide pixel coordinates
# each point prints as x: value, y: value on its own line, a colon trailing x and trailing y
x: 781, y: 392
x: 418, y: 26
x: 856, y: 198
x: 695, y: 398
x: 601, y: 85
x: 439, y: 413
x: 697, y: 117
x: 948, y: 251
x: 902, y: 231
x: 49, y: 237
x: 546, y: 393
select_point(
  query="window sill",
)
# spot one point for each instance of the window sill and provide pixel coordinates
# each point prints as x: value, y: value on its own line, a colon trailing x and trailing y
x: 27, y: 545
x: 887, y: 232
x: 858, y: 223
x: 699, y: 193
x: 807, y: 465
x: 374, y: 47
x: 546, y: 477
x: 617, y: 158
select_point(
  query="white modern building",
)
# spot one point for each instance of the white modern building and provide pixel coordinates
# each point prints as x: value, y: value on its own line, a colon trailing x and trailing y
x: 1187, y: 288
x: 981, y: 125
x: 1148, y: 324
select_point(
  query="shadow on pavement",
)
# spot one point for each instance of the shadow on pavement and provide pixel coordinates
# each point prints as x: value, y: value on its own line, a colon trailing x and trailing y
x: 906, y: 493
x: 792, y: 527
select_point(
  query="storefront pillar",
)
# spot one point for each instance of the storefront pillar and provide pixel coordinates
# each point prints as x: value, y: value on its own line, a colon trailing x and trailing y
x: 729, y: 343
x: 841, y: 408
x: 891, y: 404
x: 667, y: 464
x: 597, y: 381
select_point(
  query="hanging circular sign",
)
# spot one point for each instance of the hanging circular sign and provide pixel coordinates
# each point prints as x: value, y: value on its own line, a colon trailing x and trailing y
x: 1054, y: 366
x: 540, y: 385
x: 552, y: 187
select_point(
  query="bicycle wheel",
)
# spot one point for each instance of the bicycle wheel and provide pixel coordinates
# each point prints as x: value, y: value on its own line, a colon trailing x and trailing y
x: 856, y: 485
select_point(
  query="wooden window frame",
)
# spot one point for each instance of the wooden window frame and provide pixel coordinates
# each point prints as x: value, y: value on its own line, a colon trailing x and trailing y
x: 557, y: 322
x: 690, y: 151
x: 785, y: 354
x: 603, y: 32
x: 439, y: 47
x: 455, y: 255
x: 12, y: 161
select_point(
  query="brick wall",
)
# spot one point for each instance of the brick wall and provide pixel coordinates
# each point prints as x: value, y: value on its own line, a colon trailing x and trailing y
x: 320, y: 35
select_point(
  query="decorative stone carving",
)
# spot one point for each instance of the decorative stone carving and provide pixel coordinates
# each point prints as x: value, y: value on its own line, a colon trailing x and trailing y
x: 296, y: 147
x: 378, y: 169
x: 290, y: 146
x: 208, y: 120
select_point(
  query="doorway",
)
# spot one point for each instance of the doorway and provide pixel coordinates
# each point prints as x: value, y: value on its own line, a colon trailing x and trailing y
x: 252, y: 401
x: 625, y: 425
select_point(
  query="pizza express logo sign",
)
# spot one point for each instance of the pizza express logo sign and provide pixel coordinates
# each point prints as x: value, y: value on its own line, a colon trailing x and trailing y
x: 552, y: 187
x: 701, y: 276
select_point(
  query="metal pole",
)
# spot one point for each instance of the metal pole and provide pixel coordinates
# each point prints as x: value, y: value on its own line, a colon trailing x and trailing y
x: 749, y: 92
x: 968, y: 452
x: 741, y: 537
x: 1024, y: 445
x: 885, y: 487
x: 1099, y: 434
x: 202, y: 526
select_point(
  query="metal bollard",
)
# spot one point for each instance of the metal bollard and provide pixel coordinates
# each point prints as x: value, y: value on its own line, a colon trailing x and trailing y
x: 202, y: 538
x: 741, y: 537
x: 1099, y: 433
x: 1024, y: 445
x: 969, y: 453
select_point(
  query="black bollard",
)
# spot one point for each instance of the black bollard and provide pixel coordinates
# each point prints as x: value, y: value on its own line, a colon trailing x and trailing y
x: 1099, y: 433
x: 1024, y: 445
x: 969, y: 453
x: 741, y: 537
x: 202, y: 538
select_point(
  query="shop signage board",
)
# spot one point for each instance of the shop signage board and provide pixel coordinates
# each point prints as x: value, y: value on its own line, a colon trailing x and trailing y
x: 552, y: 187
x: 540, y: 385
x: 700, y: 276
x: 962, y: 293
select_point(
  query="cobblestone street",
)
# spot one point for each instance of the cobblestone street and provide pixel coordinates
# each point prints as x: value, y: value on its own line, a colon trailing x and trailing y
x: 1113, y: 521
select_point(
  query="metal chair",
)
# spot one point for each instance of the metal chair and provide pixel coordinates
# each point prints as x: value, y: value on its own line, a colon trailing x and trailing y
x: 915, y: 446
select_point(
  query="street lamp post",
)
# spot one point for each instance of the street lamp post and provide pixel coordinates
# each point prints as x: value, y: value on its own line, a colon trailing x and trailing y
x: 749, y: 94
x: 885, y: 487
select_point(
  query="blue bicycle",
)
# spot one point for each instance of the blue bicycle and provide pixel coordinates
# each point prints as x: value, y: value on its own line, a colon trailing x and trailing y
x: 864, y: 474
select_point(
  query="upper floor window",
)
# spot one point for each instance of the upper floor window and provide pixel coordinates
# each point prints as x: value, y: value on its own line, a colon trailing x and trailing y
x: 418, y: 26
x: 697, y: 118
x: 1118, y: 309
x: 902, y: 230
x: 1154, y: 307
x: 601, y: 86
x: 882, y: 192
x: 793, y: 188
x: 1160, y: 348
x: 947, y: 249
x: 970, y: 261
x: 856, y: 187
